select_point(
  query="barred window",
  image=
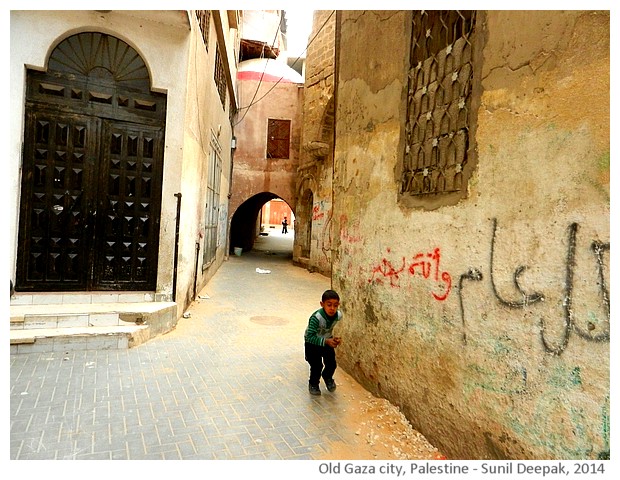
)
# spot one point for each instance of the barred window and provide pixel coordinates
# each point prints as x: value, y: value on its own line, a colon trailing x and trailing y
x: 278, y: 138
x: 439, y: 104
x: 220, y: 77
x: 232, y: 111
x: 204, y: 17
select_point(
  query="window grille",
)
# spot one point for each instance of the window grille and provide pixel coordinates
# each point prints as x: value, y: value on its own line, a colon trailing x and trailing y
x: 278, y: 138
x: 439, y: 98
x: 220, y: 77
x: 204, y: 18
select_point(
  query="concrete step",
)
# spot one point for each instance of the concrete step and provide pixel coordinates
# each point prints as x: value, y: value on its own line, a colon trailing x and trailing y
x: 76, y: 338
x: 88, y: 326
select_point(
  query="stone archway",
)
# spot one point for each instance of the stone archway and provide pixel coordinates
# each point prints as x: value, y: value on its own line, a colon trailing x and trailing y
x: 244, y: 226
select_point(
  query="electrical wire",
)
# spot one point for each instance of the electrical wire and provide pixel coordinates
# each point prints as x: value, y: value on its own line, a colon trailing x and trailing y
x: 260, y: 81
x: 252, y: 103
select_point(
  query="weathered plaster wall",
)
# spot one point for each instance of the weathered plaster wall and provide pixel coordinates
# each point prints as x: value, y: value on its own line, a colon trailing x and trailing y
x: 253, y: 172
x: 486, y: 321
x: 207, y: 128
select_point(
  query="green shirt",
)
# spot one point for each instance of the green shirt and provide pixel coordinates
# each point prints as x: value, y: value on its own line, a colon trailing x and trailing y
x: 320, y: 327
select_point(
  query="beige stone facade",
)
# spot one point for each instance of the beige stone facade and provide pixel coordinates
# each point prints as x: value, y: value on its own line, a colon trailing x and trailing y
x: 313, y: 246
x: 468, y: 224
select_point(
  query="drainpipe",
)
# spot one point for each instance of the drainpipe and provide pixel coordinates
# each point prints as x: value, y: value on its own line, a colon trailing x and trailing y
x: 233, y: 148
x: 196, y: 268
x: 176, y: 247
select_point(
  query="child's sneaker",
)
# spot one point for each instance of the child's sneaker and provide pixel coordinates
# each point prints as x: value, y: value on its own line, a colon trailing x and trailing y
x: 314, y: 390
x: 330, y: 384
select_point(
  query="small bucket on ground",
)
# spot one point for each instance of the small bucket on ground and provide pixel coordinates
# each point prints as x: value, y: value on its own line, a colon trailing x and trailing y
x: 238, y: 251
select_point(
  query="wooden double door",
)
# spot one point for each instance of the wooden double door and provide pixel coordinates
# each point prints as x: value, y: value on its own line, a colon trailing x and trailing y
x: 90, y: 199
x: 92, y: 169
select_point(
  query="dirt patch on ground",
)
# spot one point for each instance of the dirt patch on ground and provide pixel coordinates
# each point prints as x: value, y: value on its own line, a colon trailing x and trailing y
x: 381, y: 431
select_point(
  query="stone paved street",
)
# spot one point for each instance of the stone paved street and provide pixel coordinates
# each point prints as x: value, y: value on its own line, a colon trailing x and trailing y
x: 229, y: 383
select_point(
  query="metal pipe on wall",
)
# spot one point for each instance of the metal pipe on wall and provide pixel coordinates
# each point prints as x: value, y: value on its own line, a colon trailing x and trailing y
x: 176, y: 247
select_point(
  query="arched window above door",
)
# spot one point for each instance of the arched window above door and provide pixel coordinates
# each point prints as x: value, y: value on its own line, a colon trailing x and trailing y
x: 97, y: 74
x: 98, y: 55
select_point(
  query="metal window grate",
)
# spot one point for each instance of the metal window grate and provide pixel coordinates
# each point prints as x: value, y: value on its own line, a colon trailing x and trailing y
x: 220, y: 77
x: 204, y: 17
x: 438, y: 103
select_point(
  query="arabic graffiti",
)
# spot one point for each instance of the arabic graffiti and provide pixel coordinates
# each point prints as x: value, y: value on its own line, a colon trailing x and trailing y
x: 426, y: 265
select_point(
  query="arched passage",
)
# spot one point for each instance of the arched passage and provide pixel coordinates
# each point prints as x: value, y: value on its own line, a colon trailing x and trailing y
x: 245, y: 225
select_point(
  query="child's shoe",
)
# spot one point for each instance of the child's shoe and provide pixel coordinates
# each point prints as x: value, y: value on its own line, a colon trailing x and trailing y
x: 314, y: 390
x: 330, y: 384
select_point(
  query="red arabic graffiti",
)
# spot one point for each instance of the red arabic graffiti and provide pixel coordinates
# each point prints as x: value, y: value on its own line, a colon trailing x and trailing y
x: 422, y: 264
x: 316, y: 213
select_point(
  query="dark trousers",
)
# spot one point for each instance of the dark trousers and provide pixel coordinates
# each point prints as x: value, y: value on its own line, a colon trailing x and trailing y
x: 316, y: 356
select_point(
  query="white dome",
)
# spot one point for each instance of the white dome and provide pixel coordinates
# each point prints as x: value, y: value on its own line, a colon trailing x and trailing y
x: 269, y: 70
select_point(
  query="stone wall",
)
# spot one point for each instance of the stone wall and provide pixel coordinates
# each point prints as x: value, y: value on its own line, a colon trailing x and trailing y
x: 486, y: 319
x: 313, y: 246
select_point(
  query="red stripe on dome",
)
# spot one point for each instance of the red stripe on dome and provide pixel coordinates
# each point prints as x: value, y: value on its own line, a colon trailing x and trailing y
x: 266, y: 77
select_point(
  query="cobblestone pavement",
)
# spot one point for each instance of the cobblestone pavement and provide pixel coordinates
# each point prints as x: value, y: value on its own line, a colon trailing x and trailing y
x: 229, y: 383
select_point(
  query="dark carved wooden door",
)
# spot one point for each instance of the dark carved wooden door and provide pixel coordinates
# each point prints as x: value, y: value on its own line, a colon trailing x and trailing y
x: 55, y: 217
x: 92, y: 171
x: 128, y: 206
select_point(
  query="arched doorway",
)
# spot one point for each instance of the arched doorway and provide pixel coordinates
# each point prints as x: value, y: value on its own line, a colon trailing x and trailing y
x: 250, y: 217
x: 92, y: 170
x: 304, y: 235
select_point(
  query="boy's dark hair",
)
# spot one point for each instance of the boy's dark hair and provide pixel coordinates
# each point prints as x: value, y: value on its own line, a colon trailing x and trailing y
x: 330, y: 295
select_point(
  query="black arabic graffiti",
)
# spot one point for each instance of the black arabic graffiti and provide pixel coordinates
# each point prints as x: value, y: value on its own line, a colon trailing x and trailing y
x: 598, y: 248
x: 569, y: 321
x: 527, y: 299
x: 472, y: 274
x: 568, y: 296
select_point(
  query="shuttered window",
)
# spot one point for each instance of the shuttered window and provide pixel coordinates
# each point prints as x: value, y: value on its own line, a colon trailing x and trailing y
x: 212, y: 207
x: 278, y: 138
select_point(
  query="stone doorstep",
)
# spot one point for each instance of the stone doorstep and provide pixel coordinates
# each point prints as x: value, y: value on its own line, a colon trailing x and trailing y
x: 83, y: 308
x: 24, y: 336
x: 78, y: 298
x: 79, y: 338
x: 83, y: 315
x: 88, y: 326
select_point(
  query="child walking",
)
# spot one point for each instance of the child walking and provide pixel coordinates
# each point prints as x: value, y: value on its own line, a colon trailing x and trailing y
x: 320, y: 344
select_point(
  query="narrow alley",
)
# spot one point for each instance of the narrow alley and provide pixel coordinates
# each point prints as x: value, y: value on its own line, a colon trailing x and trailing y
x: 447, y: 172
x: 230, y: 382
